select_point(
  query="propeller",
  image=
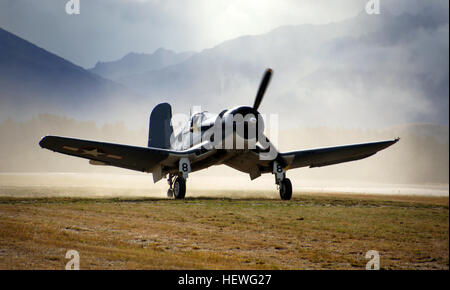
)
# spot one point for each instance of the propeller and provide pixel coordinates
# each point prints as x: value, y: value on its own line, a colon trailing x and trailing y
x: 262, y: 88
x: 258, y: 99
x: 266, y: 146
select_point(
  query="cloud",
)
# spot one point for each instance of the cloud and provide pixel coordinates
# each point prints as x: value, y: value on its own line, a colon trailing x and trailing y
x: 403, y: 63
x: 109, y: 29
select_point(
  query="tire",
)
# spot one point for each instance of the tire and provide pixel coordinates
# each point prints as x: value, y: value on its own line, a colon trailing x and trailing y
x: 286, y: 189
x: 179, y: 187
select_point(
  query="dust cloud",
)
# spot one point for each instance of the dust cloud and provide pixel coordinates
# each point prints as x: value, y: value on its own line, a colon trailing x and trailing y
x: 417, y: 165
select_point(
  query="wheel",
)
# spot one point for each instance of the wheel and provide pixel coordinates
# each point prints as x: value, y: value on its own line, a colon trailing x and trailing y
x: 179, y: 187
x: 286, y: 189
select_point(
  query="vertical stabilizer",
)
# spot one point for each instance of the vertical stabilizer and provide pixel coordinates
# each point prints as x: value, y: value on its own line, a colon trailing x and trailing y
x: 160, y: 128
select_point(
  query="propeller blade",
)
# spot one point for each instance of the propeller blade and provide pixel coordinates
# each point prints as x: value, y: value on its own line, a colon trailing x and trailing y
x: 262, y: 88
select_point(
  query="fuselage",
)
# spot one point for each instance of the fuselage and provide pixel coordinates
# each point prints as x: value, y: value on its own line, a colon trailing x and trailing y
x: 193, y: 131
x: 236, y: 128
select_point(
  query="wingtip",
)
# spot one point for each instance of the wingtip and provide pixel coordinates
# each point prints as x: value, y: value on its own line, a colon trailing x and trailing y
x: 43, y: 141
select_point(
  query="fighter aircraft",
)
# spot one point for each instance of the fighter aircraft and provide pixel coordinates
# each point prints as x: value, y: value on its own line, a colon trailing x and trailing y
x: 234, y: 138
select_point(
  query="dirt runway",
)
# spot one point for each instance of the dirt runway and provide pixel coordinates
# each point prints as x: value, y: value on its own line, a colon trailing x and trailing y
x: 325, y: 231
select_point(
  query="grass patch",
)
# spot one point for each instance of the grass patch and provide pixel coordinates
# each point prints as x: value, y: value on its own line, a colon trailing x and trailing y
x: 308, y: 232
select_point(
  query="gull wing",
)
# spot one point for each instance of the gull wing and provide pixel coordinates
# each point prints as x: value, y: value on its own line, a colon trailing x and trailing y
x: 146, y: 159
x: 334, y: 155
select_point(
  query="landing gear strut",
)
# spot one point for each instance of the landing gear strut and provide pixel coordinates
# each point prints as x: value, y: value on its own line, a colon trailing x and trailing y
x: 284, y: 184
x: 177, y: 181
x: 170, y: 182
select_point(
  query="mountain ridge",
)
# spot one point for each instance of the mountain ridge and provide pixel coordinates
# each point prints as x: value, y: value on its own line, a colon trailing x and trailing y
x: 341, y: 57
x: 135, y: 63
x: 34, y: 80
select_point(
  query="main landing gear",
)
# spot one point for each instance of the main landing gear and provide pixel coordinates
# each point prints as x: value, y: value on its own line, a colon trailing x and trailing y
x: 177, y: 183
x: 177, y: 187
x: 285, y: 189
x: 284, y: 184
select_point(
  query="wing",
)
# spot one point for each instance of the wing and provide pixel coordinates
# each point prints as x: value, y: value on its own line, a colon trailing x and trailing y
x: 334, y: 155
x: 144, y: 159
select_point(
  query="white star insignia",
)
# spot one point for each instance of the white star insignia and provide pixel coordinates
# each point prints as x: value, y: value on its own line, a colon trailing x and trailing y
x: 93, y: 152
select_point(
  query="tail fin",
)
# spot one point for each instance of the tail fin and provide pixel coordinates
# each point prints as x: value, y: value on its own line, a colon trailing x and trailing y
x: 160, y: 128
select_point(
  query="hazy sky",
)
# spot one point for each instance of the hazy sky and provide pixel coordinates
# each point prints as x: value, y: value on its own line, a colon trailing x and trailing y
x: 108, y: 29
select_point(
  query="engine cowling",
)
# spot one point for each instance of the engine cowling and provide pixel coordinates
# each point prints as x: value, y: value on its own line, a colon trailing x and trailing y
x: 242, y: 122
